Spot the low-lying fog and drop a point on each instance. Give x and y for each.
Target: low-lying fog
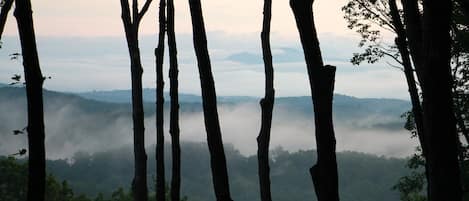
(70, 129)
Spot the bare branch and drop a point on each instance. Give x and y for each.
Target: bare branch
(135, 12)
(384, 20)
(4, 15)
(395, 66)
(394, 57)
(143, 11)
(126, 14)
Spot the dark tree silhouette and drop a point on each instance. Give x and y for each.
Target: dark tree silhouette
(159, 54)
(6, 7)
(174, 113)
(209, 102)
(131, 21)
(413, 25)
(321, 79)
(401, 43)
(34, 80)
(267, 105)
(439, 121)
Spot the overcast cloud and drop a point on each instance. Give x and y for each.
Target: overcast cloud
(101, 63)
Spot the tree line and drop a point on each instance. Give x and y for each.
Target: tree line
(426, 41)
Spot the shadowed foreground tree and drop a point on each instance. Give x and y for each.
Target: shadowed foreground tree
(159, 54)
(34, 81)
(131, 21)
(402, 46)
(267, 105)
(439, 120)
(209, 102)
(174, 114)
(321, 80)
(369, 19)
(431, 50)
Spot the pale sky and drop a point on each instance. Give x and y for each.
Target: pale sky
(102, 17)
(82, 46)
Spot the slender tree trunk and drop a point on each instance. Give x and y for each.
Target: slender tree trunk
(440, 125)
(34, 81)
(174, 114)
(321, 78)
(159, 54)
(402, 45)
(131, 25)
(267, 105)
(4, 15)
(209, 102)
(413, 22)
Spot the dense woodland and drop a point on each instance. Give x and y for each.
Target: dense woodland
(431, 47)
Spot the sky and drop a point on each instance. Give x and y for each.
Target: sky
(82, 47)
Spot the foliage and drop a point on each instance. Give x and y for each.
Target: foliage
(411, 187)
(369, 19)
(290, 179)
(13, 186)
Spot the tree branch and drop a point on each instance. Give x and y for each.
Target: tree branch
(143, 11)
(125, 15)
(4, 15)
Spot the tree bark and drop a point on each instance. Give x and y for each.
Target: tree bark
(174, 114)
(159, 54)
(321, 79)
(34, 81)
(440, 125)
(209, 102)
(402, 45)
(4, 15)
(131, 25)
(267, 105)
(413, 22)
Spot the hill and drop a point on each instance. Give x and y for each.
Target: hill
(362, 177)
(74, 123)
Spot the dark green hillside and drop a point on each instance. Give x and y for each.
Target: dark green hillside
(362, 177)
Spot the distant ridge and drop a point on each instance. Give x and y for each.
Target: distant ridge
(124, 96)
(356, 112)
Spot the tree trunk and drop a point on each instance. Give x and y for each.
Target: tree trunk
(440, 126)
(209, 102)
(174, 114)
(267, 105)
(34, 81)
(413, 22)
(4, 15)
(131, 24)
(159, 53)
(321, 79)
(402, 45)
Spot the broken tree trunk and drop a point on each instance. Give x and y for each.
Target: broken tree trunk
(34, 80)
(267, 105)
(209, 102)
(321, 79)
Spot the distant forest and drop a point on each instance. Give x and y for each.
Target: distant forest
(362, 175)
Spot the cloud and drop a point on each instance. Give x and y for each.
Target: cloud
(101, 63)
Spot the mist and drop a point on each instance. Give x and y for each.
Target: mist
(77, 125)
